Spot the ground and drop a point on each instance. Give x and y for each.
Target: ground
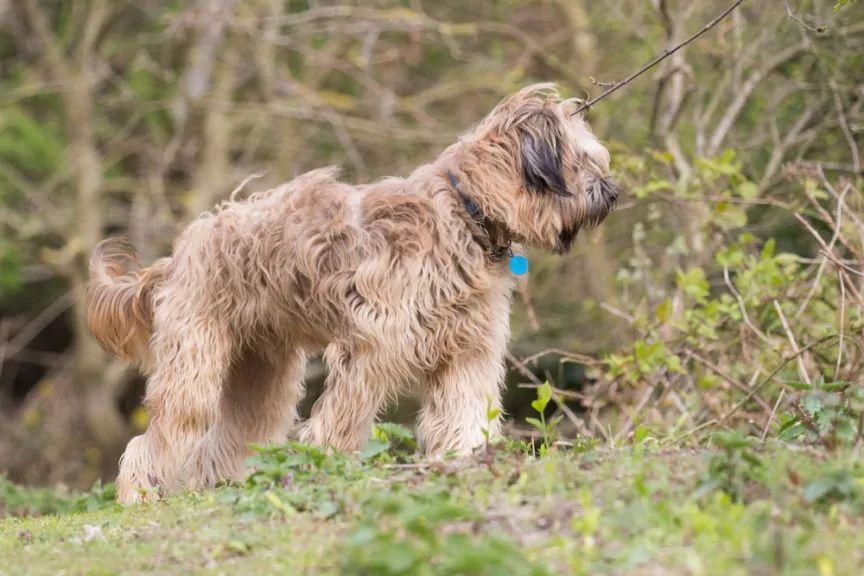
(728, 506)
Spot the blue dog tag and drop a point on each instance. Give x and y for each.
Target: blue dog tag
(518, 264)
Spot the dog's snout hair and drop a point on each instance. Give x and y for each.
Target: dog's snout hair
(400, 283)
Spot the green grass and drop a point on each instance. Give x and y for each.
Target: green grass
(729, 508)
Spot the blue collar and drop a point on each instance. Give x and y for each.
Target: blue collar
(470, 206)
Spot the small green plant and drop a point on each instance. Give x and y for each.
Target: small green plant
(492, 414)
(389, 440)
(22, 501)
(425, 533)
(735, 468)
(830, 412)
(547, 428)
(837, 484)
(293, 478)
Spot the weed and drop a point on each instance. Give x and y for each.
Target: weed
(492, 414)
(389, 441)
(426, 533)
(829, 411)
(294, 478)
(836, 485)
(21, 501)
(733, 468)
(547, 428)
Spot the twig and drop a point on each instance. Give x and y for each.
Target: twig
(520, 366)
(559, 391)
(631, 420)
(773, 412)
(844, 126)
(743, 308)
(803, 24)
(755, 389)
(565, 356)
(802, 365)
(529, 306)
(619, 313)
(829, 253)
(716, 369)
(813, 287)
(37, 324)
(574, 419)
(666, 53)
(842, 324)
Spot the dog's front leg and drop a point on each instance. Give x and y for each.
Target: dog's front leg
(457, 400)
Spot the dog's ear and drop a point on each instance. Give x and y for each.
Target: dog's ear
(541, 148)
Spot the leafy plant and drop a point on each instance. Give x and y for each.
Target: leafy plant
(829, 411)
(734, 468)
(23, 501)
(835, 485)
(294, 478)
(425, 533)
(547, 428)
(389, 440)
(492, 414)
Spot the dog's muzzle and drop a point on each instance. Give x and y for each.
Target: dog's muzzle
(602, 194)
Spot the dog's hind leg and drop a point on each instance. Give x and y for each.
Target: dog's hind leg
(259, 405)
(356, 388)
(192, 355)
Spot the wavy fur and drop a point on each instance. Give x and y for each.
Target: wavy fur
(388, 280)
(119, 304)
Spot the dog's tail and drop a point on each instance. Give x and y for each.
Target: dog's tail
(120, 303)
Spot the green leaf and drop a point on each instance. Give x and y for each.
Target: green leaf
(748, 190)
(544, 394)
(694, 283)
(536, 423)
(835, 386)
(373, 448)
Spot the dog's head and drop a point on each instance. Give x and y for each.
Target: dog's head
(547, 174)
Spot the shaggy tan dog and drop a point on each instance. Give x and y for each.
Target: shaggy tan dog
(402, 283)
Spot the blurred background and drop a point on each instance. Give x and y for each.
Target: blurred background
(725, 290)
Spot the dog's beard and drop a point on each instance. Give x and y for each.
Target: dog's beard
(602, 194)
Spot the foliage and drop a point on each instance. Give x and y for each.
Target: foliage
(23, 501)
(293, 478)
(736, 329)
(546, 428)
(600, 511)
(735, 468)
(389, 441)
(427, 533)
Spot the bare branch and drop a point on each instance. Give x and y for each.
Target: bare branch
(803, 24)
(666, 53)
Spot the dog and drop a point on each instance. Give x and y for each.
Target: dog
(403, 284)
